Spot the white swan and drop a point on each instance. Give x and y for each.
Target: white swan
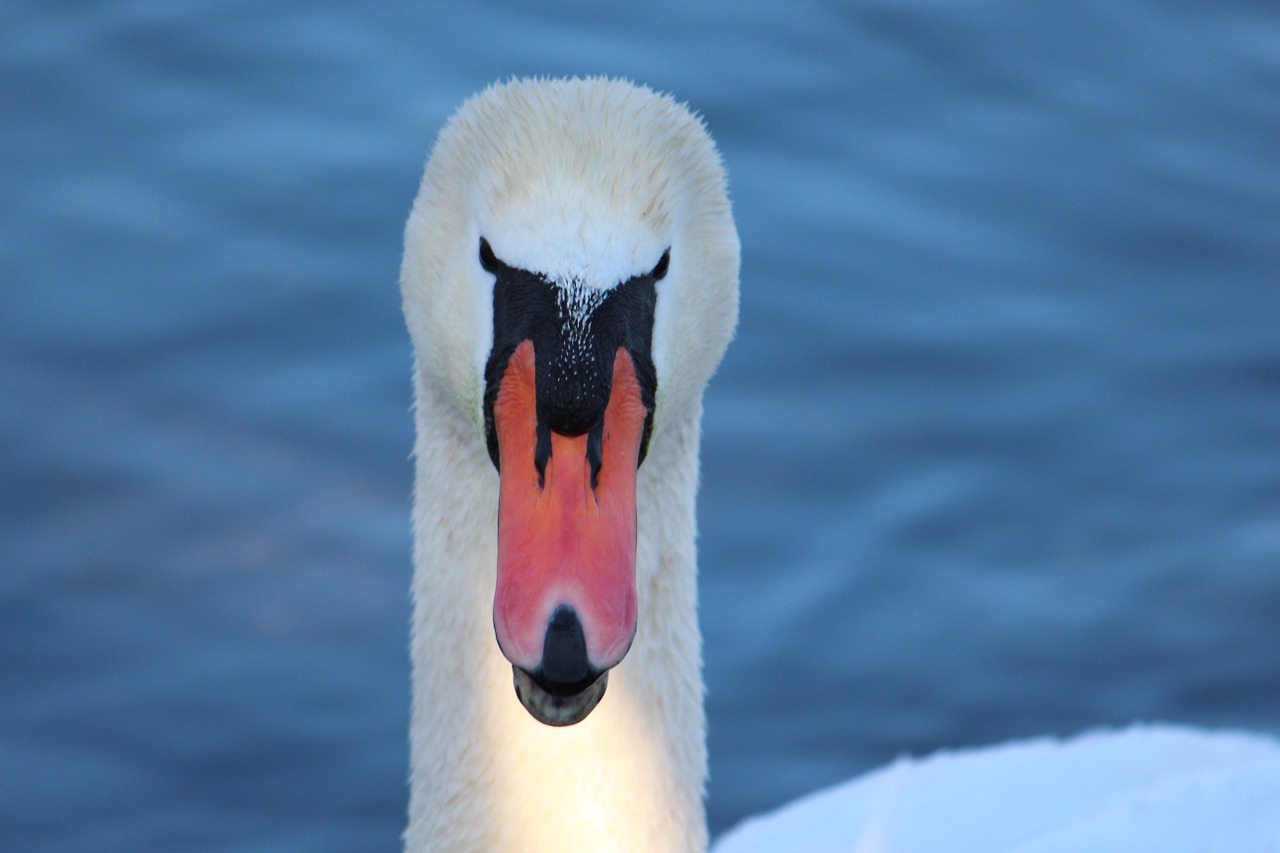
(570, 284)
(571, 247)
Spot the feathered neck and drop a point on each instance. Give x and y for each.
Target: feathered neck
(485, 776)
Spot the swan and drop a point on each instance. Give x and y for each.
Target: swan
(570, 284)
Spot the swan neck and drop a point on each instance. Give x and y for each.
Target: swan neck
(484, 774)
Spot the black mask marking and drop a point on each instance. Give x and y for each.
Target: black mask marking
(576, 332)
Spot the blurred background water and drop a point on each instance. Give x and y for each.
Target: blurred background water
(996, 452)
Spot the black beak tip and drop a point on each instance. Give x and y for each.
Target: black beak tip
(564, 651)
(566, 687)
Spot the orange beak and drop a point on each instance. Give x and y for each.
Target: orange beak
(567, 533)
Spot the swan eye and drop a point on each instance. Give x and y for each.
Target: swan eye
(489, 260)
(660, 270)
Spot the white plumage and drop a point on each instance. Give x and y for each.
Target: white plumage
(588, 182)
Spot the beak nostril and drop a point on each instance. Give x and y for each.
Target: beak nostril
(595, 451)
(542, 452)
(564, 650)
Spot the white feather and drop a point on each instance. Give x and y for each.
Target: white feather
(586, 182)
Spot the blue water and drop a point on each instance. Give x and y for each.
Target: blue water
(996, 452)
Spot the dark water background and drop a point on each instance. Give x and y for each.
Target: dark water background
(996, 452)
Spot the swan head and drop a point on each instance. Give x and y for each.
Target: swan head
(570, 283)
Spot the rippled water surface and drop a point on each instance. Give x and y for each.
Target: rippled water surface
(996, 452)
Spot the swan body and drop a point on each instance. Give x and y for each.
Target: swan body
(573, 190)
(1161, 788)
